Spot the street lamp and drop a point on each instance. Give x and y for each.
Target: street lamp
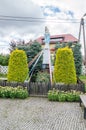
(82, 25)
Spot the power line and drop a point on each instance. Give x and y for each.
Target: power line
(23, 17)
(25, 20)
(36, 19)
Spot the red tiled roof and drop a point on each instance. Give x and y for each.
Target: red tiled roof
(65, 38)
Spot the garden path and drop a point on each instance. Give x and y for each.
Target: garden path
(40, 114)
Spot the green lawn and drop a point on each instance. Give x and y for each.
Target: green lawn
(3, 75)
(83, 78)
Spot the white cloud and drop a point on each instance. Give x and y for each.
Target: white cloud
(78, 8)
(32, 8)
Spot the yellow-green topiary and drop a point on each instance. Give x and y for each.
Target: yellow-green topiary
(17, 68)
(64, 69)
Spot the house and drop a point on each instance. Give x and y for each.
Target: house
(63, 38)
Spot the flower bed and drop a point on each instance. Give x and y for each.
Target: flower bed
(10, 92)
(62, 96)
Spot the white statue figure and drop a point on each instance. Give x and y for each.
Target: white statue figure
(47, 36)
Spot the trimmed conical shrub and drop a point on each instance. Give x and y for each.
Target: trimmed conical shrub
(18, 68)
(64, 69)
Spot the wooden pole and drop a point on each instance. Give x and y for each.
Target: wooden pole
(79, 33)
(50, 70)
(84, 42)
(82, 26)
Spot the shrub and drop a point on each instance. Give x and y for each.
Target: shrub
(18, 68)
(10, 92)
(43, 77)
(64, 69)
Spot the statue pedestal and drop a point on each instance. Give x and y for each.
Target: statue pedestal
(46, 55)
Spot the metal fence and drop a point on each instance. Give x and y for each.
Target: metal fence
(83, 70)
(3, 69)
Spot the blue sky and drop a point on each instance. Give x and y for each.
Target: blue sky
(59, 15)
(53, 10)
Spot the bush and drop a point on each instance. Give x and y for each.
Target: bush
(3, 75)
(4, 59)
(43, 77)
(61, 96)
(10, 92)
(18, 68)
(64, 69)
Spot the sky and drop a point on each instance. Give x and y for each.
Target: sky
(26, 19)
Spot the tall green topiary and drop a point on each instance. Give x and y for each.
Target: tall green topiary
(64, 69)
(76, 48)
(18, 68)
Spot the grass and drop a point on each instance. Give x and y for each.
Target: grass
(83, 78)
(3, 75)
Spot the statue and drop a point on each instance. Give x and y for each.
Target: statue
(47, 36)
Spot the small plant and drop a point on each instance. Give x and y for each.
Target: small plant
(53, 95)
(3, 75)
(71, 97)
(61, 97)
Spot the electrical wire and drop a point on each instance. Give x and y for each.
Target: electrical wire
(23, 17)
(36, 19)
(22, 20)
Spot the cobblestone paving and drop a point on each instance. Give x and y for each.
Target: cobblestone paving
(40, 114)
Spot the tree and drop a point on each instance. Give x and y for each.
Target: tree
(77, 58)
(12, 46)
(31, 51)
(76, 48)
(64, 69)
(18, 68)
(34, 49)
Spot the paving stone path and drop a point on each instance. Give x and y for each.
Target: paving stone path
(40, 114)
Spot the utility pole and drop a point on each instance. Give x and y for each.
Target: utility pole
(83, 27)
